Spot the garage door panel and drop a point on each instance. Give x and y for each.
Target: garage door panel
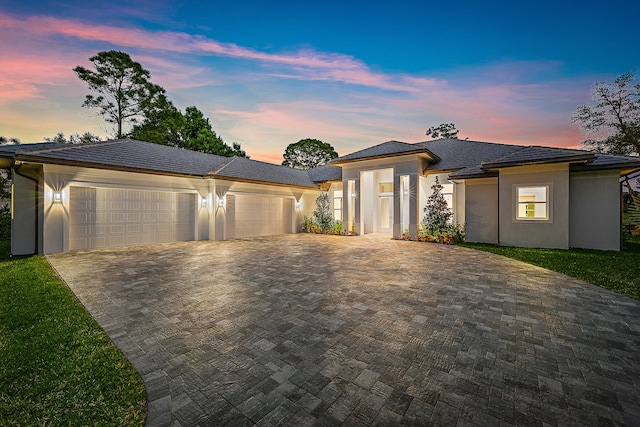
(117, 217)
(258, 216)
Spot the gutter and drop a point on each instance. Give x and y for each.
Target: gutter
(16, 170)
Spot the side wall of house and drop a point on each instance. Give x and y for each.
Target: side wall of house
(595, 205)
(26, 229)
(481, 215)
(550, 233)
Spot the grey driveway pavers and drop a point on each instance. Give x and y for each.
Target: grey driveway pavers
(326, 330)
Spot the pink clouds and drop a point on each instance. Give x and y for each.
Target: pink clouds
(306, 64)
(260, 103)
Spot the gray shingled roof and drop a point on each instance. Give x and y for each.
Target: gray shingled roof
(127, 154)
(462, 153)
(325, 173)
(386, 149)
(534, 154)
(133, 155)
(251, 170)
(11, 149)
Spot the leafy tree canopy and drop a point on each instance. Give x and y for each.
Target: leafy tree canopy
(308, 153)
(8, 140)
(74, 138)
(615, 113)
(444, 130)
(165, 124)
(123, 88)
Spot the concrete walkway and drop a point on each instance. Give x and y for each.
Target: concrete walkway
(325, 330)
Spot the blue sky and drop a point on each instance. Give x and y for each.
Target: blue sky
(353, 74)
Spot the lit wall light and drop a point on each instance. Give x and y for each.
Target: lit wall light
(204, 202)
(353, 194)
(57, 197)
(221, 202)
(406, 192)
(298, 205)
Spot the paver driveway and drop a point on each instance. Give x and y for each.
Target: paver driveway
(307, 329)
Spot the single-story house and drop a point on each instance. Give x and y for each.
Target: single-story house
(126, 192)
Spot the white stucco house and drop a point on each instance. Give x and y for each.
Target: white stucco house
(126, 192)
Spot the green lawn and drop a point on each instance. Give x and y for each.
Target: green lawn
(617, 271)
(57, 366)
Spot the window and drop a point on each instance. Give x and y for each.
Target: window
(447, 193)
(532, 203)
(386, 187)
(337, 205)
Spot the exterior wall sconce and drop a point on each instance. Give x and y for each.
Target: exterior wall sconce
(406, 192)
(298, 205)
(353, 194)
(57, 197)
(221, 202)
(204, 202)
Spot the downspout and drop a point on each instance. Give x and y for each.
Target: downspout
(16, 170)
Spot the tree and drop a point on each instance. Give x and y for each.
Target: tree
(308, 153)
(198, 135)
(615, 113)
(444, 130)
(6, 141)
(123, 87)
(437, 212)
(163, 123)
(322, 214)
(75, 138)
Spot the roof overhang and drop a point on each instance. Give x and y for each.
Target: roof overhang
(582, 158)
(422, 152)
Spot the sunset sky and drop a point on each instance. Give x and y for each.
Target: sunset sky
(351, 73)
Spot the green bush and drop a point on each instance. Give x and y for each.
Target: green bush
(5, 223)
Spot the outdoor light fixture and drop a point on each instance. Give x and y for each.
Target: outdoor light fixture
(221, 202)
(406, 192)
(57, 197)
(297, 205)
(353, 194)
(204, 202)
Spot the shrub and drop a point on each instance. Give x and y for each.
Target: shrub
(322, 215)
(437, 213)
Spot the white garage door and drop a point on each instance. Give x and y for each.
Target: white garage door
(104, 217)
(249, 216)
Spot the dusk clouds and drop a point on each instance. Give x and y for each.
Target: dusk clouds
(266, 97)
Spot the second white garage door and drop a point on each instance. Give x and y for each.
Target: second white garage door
(106, 217)
(249, 216)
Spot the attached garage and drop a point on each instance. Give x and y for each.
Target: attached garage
(254, 215)
(110, 217)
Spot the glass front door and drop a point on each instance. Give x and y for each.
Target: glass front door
(386, 214)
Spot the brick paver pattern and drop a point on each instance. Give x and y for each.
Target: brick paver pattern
(327, 330)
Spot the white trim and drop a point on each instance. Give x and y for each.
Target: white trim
(515, 203)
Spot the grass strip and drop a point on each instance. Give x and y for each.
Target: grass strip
(57, 366)
(616, 271)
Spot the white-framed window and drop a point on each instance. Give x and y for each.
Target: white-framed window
(337, 205)
(532, 202)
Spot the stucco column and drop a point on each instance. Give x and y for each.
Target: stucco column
(397, 218)
(356, 207)
(414, 209)
(345, 205)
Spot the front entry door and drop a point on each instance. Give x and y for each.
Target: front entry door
(385, 214)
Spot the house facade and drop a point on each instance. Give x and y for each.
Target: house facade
(127, 192)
